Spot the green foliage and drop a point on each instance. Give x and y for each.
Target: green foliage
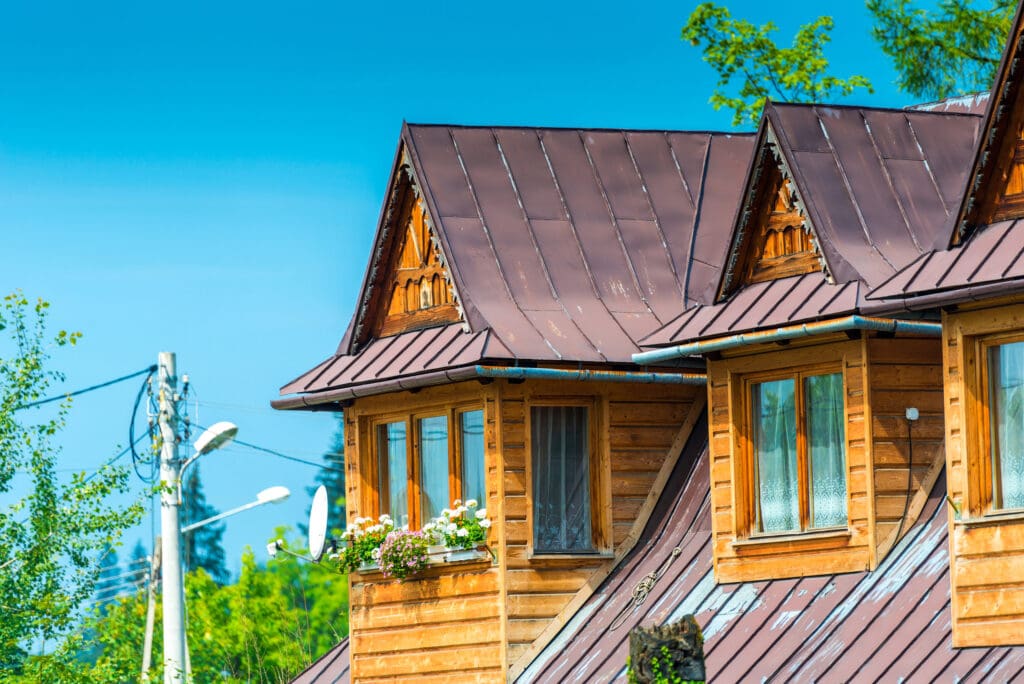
(201, 548)
(663, 669)
(751, 67)
(403, 554)
(951, 49)
(267, 627)
(52, 537)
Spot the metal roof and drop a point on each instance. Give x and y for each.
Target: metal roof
(878, 185)
(332, 667)
(988, 264)
(769, 304)
(564, 245)
(892, 624)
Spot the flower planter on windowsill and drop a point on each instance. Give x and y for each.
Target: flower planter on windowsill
(441, 555)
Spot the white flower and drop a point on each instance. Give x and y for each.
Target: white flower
(481, 514)
(445, 513)
(451, 529)
(463, 532)
(485, 523)
(471, 503)
(457, 503)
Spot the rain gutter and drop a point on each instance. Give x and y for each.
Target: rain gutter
(319, 400)
(887, 325)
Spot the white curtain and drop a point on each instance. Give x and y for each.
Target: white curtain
(433, 435)
(826, 442)
(561, 479)
(392, 457)
(774, 412)
(1006, 401)
(472, 443)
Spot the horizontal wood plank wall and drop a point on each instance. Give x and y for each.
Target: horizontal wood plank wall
(637, 427)
(794, 555)
(986, 554)
(449, 622)
(903, 373)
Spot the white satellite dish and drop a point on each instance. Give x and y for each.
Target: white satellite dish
(318, 524)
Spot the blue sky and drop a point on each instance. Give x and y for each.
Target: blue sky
(205, 178)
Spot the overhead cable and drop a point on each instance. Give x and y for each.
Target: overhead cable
(150, 369)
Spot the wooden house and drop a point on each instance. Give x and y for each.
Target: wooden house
(513, 274)
(825, 460)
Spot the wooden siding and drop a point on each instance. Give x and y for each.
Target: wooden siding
(799, 554)
(520, 598)
(986, 551)
(904, 373)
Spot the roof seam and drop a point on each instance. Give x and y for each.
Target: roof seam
(698, 208)
(888, 175)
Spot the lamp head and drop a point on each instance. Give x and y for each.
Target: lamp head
(216, 436)
(275, 494)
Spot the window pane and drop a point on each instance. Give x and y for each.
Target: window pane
(774, 417)
(433, 466)
(561, 478)
(391, 453)
(471, 425)
(1006, 399)
(826, 449)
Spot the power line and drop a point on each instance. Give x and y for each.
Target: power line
(150, 369)
(280, 455)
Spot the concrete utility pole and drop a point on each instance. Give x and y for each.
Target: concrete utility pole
(147, 644)
(170, 524)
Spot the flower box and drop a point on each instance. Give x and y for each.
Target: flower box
(466, 555)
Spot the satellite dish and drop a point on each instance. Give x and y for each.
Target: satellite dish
(318, 523)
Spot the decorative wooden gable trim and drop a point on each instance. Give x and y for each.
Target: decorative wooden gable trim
(996, 190)
(408, 285)
(774, 237)
(419, 292)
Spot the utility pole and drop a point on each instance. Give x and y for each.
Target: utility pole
(154, 575)
(170, 524)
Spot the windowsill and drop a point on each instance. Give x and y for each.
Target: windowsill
(793, 537)
(582, 555)
(989, 519)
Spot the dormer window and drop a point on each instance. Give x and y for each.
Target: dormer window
(798, 453)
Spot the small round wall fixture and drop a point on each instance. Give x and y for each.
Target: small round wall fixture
(318, 524)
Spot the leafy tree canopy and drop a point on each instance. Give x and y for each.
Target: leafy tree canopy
(51, 537)
(949, 49)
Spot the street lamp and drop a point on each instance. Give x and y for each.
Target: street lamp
(275, 494)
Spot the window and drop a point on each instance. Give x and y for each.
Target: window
(417, 479)
(560, 464)
(798, 455)
(1006, 424)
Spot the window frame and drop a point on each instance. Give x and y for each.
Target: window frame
(375, 468)
(982, 472)
(599, 483)
(747, 523)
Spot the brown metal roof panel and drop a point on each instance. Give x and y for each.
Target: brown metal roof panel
(658, 282)
(702, 282)
(442, 171)
(948, 144)
(571, 279)
(921, 203)
(760, 311)
(802, 289)
(931, 269)
(380, 358)
(613, 162)
(972, 254)
(366, 356)
(504, 223)
(598, 237)
(891, 134)
(561, 333)
(799, 128)
(1001, 259)
(896, 285)
(308, 378)
(432, 349)
(601, 328)
(528, 165)
(701, 324)
(636, 325)
(728, 160)
(330, 668)
(870, 188)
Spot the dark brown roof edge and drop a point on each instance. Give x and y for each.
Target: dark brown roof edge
(596, 129)
(320, 399)
(948, 297)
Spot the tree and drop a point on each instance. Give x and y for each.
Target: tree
(203, 547)
(952, 50)
(332, 476)
(260, 629)
(747, 55)
(51, 537)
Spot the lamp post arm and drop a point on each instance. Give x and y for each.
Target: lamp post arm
(221, 516)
